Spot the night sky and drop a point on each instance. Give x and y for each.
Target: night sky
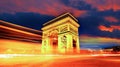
(99, 19)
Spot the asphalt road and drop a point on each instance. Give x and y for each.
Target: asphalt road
(18, 60)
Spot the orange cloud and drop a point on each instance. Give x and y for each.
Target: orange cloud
(111, 19)
(109, 29)
(115, 27)
(56, 8)
(55, 12)
(102, 5)
(104, 28)
(46, 7)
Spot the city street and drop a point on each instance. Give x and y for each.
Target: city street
(31, 60)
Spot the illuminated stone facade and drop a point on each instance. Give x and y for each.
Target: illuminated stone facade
(61, 34)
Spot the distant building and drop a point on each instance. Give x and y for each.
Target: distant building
(112, 49)
(20, 33)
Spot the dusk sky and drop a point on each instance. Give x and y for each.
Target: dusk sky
(99, 19)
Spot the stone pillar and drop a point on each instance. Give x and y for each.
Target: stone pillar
(78, 44)
(69, 42)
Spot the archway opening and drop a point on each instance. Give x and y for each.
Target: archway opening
(74, 44)
(54, 39)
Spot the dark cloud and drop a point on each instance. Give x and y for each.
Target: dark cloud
(103, 5)
(45, 7)
(111, 19)
(78, 4)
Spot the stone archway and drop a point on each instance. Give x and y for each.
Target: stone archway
(60, 32)
(74, 44)
(54, 38)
